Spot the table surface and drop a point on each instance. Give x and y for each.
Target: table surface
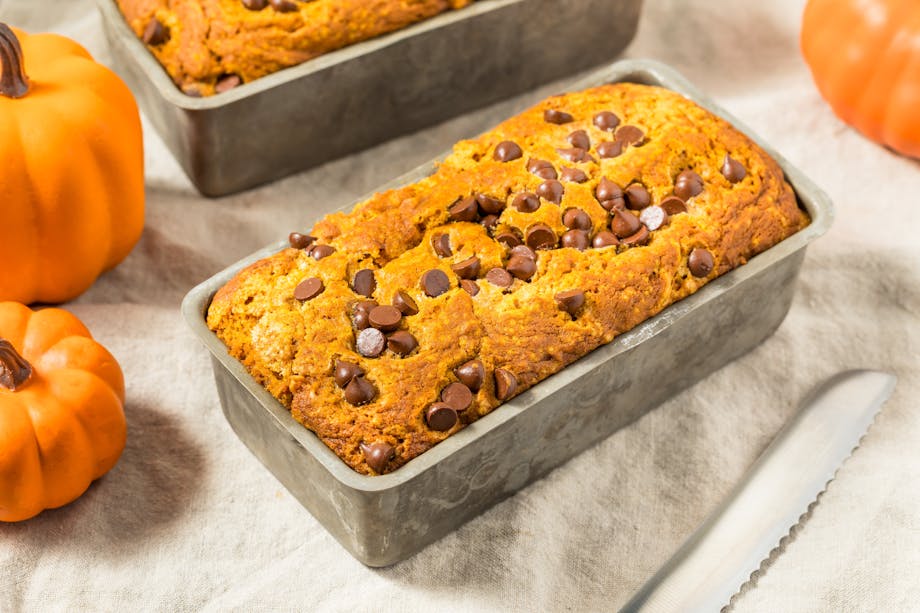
(190, 520)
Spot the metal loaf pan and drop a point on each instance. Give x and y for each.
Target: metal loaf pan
(384, 519)
(364, 94)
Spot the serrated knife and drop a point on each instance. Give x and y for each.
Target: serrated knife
(719, 558)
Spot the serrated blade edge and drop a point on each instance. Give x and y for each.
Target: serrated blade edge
(713, 564)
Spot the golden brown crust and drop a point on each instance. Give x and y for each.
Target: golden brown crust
(291, 346)
(210, 39)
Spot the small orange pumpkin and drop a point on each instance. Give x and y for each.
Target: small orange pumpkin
(864, 56)
(72, 171)
(62, 421)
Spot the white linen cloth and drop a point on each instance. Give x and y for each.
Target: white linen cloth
(190, 520)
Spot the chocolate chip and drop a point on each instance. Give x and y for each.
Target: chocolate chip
(300, 241)
(506, 151)
(308, 289)
(255, 5)
(345, 372)
(458, 396)
(574, 154)
(576, 219)
(378, 455)
(604, 239)
(322, 251)
(637, 197)
(401, 343)
(362, 311)
(155, 33)
(573, 175)
(385, 318)
(499, 277)
(364, 306)
(467, 269)
(521, 267)
(700, 262)
(490, 205)
(283, 6)
(541, 168)
(623, 223)
(526, 202)
(441, 245)
(435, 283)
(580, 139)
(523, 251)
(540, 236)
(616, 203)
(359, 391)
(630, 135)
(505, 384)
(557, 117)
(575, 239)
(471, 374)
(570, 300)
(371, 342)
(606, 121)
(489, 222)
(227, 82)
(405, 303)
(465, 209)
(508, 239)
(551, 190)
(610, 149)
(641, 237)
(364, 282)
(732, 169)
(607, 190)
(687, 185)
(470, 287)
(440, 416)
(673, 205)
(653, 217)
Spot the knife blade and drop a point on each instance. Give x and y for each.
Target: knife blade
(718, 559)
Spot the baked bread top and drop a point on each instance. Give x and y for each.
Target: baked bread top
(626, 198)
(211, 46)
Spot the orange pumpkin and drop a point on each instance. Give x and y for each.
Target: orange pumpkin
(62, 421)
(72, 172)
(864, 56)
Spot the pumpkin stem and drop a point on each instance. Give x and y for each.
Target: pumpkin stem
(14, 369)
(13, 80)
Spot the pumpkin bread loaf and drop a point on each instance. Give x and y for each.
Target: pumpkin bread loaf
(390, 328)
(211, 46)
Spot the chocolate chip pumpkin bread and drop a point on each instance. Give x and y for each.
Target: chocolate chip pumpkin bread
(388, 329)
(211, 46)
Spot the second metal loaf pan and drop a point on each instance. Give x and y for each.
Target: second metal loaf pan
(364, 94)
